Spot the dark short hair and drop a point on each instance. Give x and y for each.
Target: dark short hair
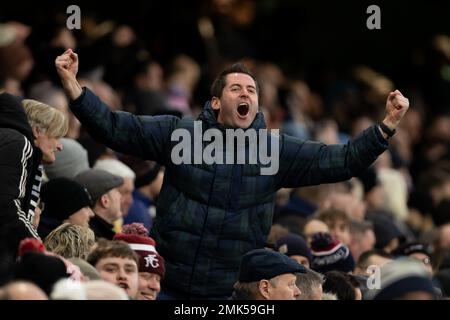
(341, 284)
(111, 249)
(247, 289)
(360, 226)
(365, 256)
(220, 81)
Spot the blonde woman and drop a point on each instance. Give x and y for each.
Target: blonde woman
(48, 125)
(70, 241)
(29, 133)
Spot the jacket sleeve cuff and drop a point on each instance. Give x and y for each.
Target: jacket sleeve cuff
(382, 140)
(80, 99)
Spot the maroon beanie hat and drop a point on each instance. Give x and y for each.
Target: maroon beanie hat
(149, 259)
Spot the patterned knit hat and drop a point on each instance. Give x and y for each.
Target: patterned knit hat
(149, 259)
(329, 254)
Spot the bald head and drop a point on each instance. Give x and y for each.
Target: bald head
(22, 290)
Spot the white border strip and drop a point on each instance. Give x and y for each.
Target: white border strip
(142, 247)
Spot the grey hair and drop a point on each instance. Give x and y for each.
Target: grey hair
(307, 281)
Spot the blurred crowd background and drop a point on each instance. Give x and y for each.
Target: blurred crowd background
(323, 75)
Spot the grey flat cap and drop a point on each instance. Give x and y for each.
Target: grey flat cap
(98, 182)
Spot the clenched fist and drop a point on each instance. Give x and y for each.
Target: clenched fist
(67, 68)
(396, 107)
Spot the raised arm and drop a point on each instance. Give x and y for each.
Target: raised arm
(67, 68)
(305, 163)
(142, 136)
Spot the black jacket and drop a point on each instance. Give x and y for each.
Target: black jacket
(101, 228)
(19, 164)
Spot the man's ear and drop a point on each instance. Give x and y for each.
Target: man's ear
(104, 200)
(264, 287)
(215, 103)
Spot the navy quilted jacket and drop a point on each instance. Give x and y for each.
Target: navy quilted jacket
(210, 215)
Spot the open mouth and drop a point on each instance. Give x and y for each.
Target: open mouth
(124, 286)
(243, 109)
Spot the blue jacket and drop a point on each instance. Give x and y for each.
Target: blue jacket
(210, 215)
(140, 210)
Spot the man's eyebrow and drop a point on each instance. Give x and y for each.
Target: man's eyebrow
(130, 265)
(109, 264)
(115, 264)
(239, 85)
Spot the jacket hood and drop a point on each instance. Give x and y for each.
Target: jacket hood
(13, 116)
(208, 115)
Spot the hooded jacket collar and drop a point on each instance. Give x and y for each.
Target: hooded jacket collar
(12, 115)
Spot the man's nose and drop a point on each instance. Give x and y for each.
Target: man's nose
(244, 92)
(59, 146)
(121, 274)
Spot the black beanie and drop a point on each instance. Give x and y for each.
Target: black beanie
(40, 269)
(63, 197)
